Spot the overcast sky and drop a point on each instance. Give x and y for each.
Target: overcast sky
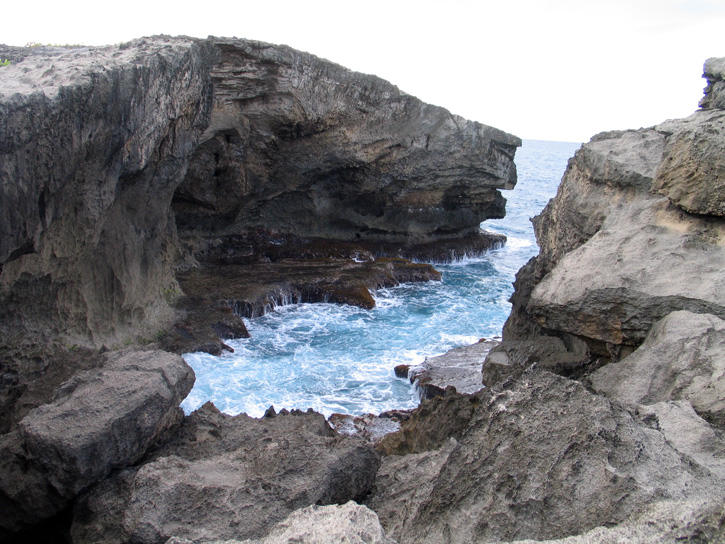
(540, 69)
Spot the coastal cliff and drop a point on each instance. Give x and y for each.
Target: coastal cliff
(602, 414)
(148, 183)
(153, 193)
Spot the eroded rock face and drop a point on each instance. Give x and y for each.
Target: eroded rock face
(100, 420)
(634, 233)
(225, 477)
(242, 135)
(93, 144)
(544, 458)
(683, 357)
(304, 146)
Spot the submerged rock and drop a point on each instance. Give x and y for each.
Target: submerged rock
(224, 477)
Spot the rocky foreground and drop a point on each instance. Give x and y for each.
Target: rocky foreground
(154, 192)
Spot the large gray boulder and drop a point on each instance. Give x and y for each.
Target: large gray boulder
(648, 259)
(100, 420)
(692, 173)
(224, 477)
(683, 357)
(348, 523)
(545, 458)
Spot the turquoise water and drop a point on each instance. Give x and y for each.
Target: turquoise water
(336, 358)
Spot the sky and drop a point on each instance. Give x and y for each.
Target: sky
(559, 70)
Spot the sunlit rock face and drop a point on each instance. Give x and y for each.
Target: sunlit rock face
(634, 233)
(109, 155)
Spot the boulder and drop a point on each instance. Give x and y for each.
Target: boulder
(459, 368)
(682, 357)
(99, 420)
(348, 523)
(714, 73)
(657, 260)
(544, 458)
(692, 172)
(403, 484)
(224, 477)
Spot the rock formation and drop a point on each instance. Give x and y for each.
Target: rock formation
(110, 155)
(631, 206)
(223, 477)
(152, 194)
(143, 187)
(626, 295)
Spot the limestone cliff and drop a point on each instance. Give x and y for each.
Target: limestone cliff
(634, 233)
(107, 153)
(132, 174)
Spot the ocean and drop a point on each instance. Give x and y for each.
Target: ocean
(336, 358)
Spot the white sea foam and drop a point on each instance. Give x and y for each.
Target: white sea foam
(335, 358)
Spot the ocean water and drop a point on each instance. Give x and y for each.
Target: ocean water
(336, 358)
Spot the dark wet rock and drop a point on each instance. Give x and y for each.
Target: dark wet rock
(224, 477)
(544, 458)
(459, 368)
(255, 289)
(99, 420)
(683, 357)
(436, 420)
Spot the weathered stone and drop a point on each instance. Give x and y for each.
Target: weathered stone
(403, 484)
(714, 72)
(459, 368)
(430, 425)
(657, 260)
(304, 146)
(544, 458)
(349, 523)
(683, 357)
(94, 142)
(688, 433)
(224, 477)
(241, 135)
(665, 522)
(692, 173)
(100, 420)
